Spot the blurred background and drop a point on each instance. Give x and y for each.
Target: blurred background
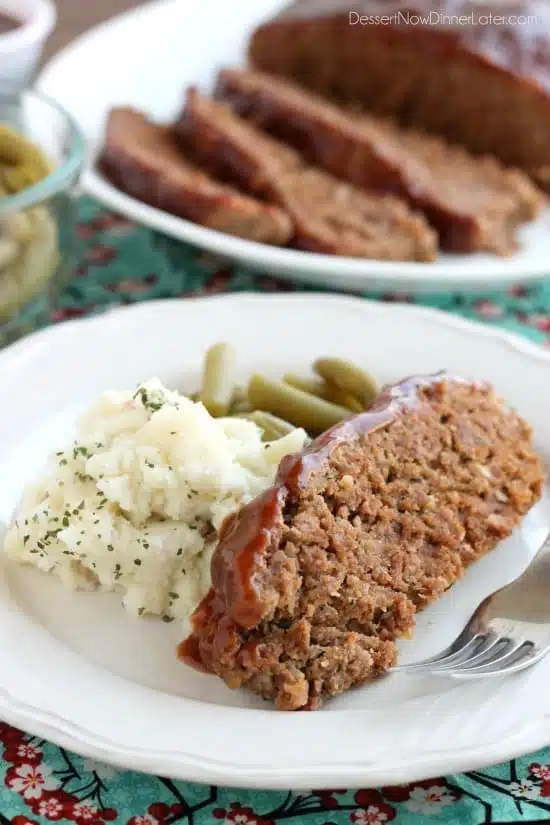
(75, 16)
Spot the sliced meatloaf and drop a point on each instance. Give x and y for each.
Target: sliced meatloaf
(314, 581)
(144, 160)
(475, 204)
(477, 73)
(329, 215)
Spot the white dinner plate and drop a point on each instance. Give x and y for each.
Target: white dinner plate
(147, 57)
(78, 670)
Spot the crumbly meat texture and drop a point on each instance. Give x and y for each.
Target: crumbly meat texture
(384, 526)
(144, 160)
(483, 86)
(474, 203)
(329, 215)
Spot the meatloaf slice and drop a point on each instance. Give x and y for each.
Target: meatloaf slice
(475, 204)
(314, 581)
(329, 216)
(484, 84)
(144, 160)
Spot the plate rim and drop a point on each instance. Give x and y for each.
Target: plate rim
(192, 768)
(209, 771)
(403, 273)
(468, 274)
(513, 340)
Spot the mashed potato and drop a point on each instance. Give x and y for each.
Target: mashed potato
(133, 505)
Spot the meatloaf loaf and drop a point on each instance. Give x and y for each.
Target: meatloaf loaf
(329, 216)
(144, 160)
(474, 204)
(482, 81)
(313, 581)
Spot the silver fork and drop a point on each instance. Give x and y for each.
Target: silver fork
(509, 631)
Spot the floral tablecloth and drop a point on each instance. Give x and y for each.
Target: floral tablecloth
(41, 783)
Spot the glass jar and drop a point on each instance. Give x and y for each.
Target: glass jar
(38, 240)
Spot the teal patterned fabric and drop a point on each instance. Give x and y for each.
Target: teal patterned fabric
(41, 783)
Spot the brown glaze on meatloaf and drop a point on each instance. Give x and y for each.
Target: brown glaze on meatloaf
(144, 160)
(314, 581)
(329, 215)
(475, 204)
(484, 83)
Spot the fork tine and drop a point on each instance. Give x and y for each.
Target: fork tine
(524, 657)
(484, 651)
(462, 645)
(451, 655)
(457, 646)
(512, 656)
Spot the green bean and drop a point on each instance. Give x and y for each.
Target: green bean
(17, 226)
(9, 250)
(22, 164)
(239, 393)
(17, 150)
(218, 380)
(325, 390)
(239, 401)
(241, 407)
(349, 377)
(313, 386)
(273, 427)
(17, 178)
(296, 406)
(344, 398)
